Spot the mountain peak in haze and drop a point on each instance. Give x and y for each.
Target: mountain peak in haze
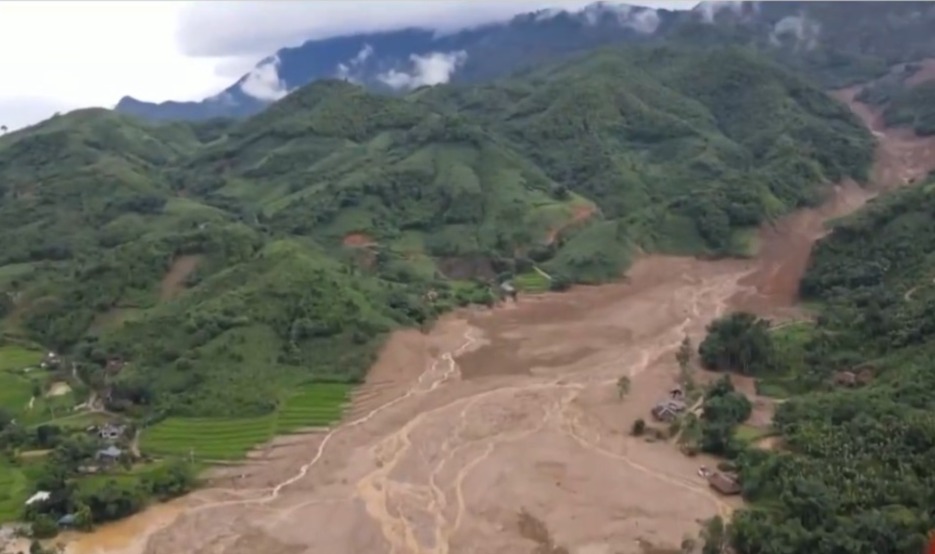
(852, 41)
(406, 59)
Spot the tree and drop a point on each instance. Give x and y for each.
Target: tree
(3, 129)
(5, 418)
(623, 386)
(714, 536)
(684, 359)
(738, 342)
(84, 520)
(684, 354)
(639, 427)
(44, 527)
(724, 409)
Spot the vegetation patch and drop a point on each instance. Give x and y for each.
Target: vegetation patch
(174, 281)
(196, 275)
(856, 432)
(317, 405)
(531, 282)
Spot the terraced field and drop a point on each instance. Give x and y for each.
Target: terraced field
(16, 357)
(531, 282)
(14, 488)
(16, 388)
(317, 405)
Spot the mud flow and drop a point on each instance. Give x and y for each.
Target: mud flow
(501, 431)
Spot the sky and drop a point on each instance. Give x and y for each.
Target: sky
(57, 56)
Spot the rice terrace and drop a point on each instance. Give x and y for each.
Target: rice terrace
(209, 439)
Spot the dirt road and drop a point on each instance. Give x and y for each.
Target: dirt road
(505, 411)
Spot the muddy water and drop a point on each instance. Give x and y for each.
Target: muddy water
(509, 411)
(126, 535)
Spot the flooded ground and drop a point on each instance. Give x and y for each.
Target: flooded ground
(498, 418)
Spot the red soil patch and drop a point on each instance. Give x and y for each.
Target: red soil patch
(466, 267)
(927, 73)
(580, 214)
(174, 281)
(358, 240)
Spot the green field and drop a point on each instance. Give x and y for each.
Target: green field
(750, 434)
(14, 488)
(531, 282)
(790, 340)
(17, 357)
(315, 405)
(15, 387)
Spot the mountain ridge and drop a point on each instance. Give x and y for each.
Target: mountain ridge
(815, 37)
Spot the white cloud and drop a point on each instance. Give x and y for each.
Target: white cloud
(803, 30)
(643, 21)
(347, 70)
(432, 69)
(709, 8)
(61, 55)
(263, 82)
(57, 55)
(20, 112)
(250, 28)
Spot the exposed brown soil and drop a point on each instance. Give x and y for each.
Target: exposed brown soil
(58, 388)
(358, 240)
(173, 283)
(925, 74)
(501, 412)
(580, 214)
(466, 267)
(769, 443)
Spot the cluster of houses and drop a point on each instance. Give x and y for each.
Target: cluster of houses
(108, 456)
(668, 410)
(110, 434)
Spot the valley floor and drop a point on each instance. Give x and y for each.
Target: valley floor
(510, 411)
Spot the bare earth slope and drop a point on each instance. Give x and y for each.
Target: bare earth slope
(511, 410)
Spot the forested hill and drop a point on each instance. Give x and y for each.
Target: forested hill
(224, 262)
(854, 471)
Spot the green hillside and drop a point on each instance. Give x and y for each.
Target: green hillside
(902, 103)
(236, 278)
(856, 468)
(226, 262)
(683, 149)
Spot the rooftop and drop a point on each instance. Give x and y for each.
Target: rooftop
(38, 497)
(110, 452)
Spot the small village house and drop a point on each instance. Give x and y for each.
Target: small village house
(40, 496)
(67, 521)
(668, 409)
(111, 432)
(109, 455)
(724, 483)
